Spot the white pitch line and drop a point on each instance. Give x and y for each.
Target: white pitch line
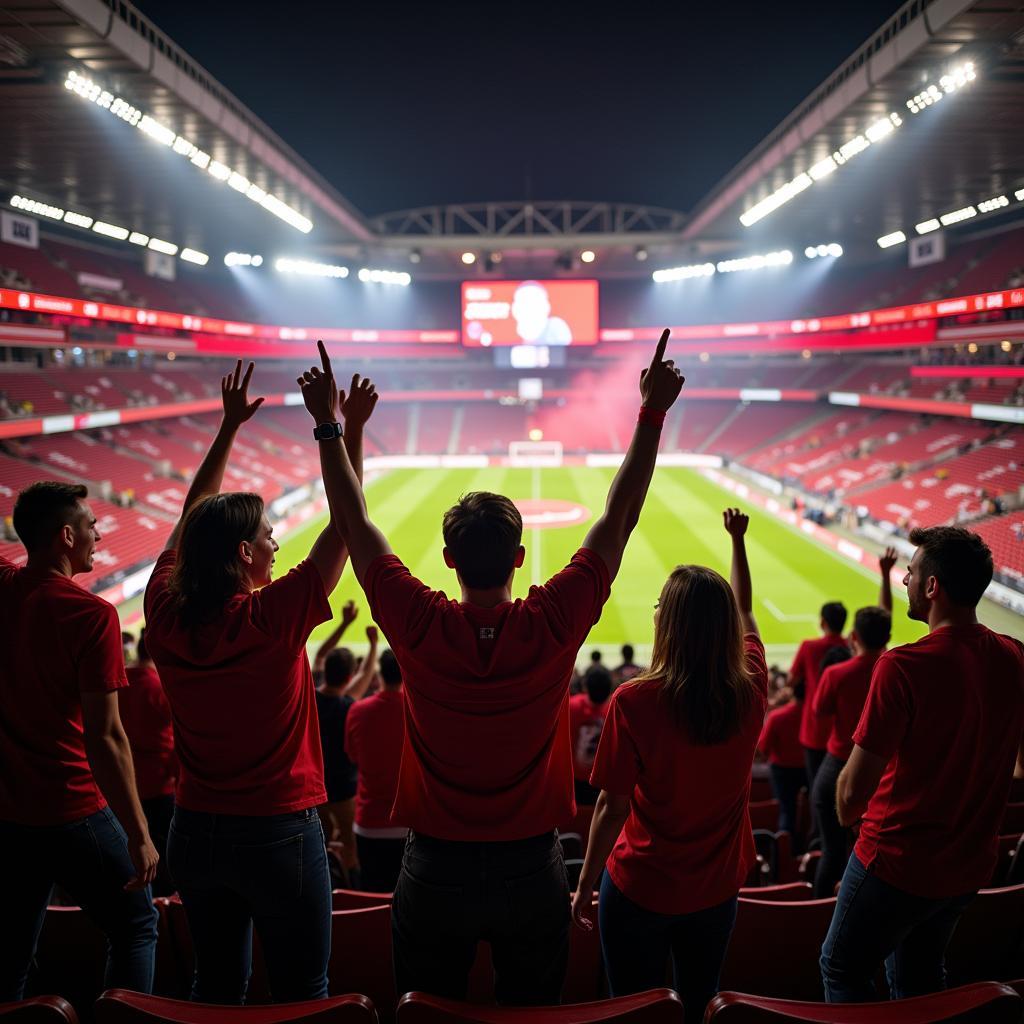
(782, 616)
(535, 567)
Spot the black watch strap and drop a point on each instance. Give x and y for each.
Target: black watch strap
(327, 431)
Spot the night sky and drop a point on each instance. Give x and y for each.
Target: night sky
(401, 105)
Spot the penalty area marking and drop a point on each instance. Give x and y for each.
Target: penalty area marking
(782, 616)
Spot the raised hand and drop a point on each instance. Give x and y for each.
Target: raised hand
(372, 635)
(234, 394)
(349, 612)
(661, 382)
(358, 404)
(887, 561)
(319, 392)
(735, 522)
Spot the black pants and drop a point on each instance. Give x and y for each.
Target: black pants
(812, 759)
(834, 838)
(159, 810)
(452, 895)
(380, 862)
(786, 785)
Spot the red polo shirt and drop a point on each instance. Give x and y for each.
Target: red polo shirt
(687, 843)
(780, 737)
(486, 753)
(948, 714)
(241, 695)
(57, 641)
(814, 730)
(374, 737)
(146, 717)
(840, 696)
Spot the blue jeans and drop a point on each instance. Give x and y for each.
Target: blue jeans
(636, 944)
(88, 859)
(876, 922)
(233, 872)
(786, 785)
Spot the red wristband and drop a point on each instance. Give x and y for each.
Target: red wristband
(652, 417)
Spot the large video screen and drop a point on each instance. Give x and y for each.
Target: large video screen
(554, 313)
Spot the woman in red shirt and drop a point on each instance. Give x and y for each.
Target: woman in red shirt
(673, 767)
(245, 846)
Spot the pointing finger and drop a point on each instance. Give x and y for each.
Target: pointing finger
(325, 359)
(659, 352)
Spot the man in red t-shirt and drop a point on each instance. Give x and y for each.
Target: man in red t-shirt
(780, 746)
(586, 720)
(63, 751)
(374, 737)
(146, 717)
(486, 771)
(842, 691)
(928, 778)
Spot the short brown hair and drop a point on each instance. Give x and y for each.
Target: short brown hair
(873, 626)
(483, 532)
(45, 508)
(959, 559)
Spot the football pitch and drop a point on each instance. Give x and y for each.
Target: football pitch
(681, 522)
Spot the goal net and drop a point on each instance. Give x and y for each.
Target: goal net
(535, 453)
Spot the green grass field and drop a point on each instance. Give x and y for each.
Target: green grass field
(681, 522)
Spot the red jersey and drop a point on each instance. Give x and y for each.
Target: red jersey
(241, 695)
(586, 720)
(814, 730)
(687, 843)
(486, 753)
(58, 641)
(840, 697)
(146, 717)
(374, 737)
(948, 714)
(780, 737)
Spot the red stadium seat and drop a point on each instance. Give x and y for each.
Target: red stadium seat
(983, 1003)
(659, 1006)
(172, 978)
(775, 948)
(71, 957)
(787, 892)
(350, 899)
(39, 1010)
(361, 956)
(989, 940)
(118, 1006)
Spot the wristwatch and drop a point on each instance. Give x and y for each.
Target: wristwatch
(327, 431)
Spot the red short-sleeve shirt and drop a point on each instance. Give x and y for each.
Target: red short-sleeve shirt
(948, 714)
(780, 737)
(374, 737)
(146, 717)
(586, 720)
(241, 695)
(486, 754)
(814, 729)
(687, 843)
(58, 641)
(840, 697)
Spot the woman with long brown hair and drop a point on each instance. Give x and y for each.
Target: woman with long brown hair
(673, 767)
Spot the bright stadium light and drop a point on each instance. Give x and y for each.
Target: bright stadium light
(683, 273)
(159, 245)
(138, 238)
(309, 268)
(79, 220)
(956, 79)
(39, 209)
(110, 230)
(956, 216)
(823, 168)
(995, 203)
(195, 256)
(469, 258)
(242, 259)
(588, 256)
(89, 90)
(782, 258)
(1019, 195)
(399, 277)
(833, 249)
(932, 224)
(893, 238)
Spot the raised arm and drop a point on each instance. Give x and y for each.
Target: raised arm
(660, 385)
(885, 566)
(329, 552)
(348, 616)
(736, 523)
(341, 482)
(360, 682)
(234, 390)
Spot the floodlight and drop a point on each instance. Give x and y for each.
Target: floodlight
(159, 245)
(469, 258)
(110, 230)
(893, 238)
(587, 256)
(79, 220)
(956, 216)
(309, 268)
(932, 224)
(993, 204)
(138, 238)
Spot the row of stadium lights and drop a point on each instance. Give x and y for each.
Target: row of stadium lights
(780, 258)
(881, 129)
(89, 90)
(945, 220)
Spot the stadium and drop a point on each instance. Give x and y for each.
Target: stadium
(845, 303)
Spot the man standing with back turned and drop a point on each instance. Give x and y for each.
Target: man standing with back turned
(929, 774)
(486, 773)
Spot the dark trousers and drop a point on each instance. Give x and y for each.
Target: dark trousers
(159, 811)
(875, 922)
(88, 859)
(813, 759)
(380, 862)
(637, 943)
(234, 872)
(452, 895)
(835, 840)
(786, 785)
